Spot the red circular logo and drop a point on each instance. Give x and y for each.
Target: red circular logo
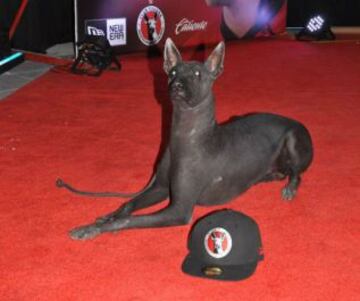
(150, 25)
(218, 242)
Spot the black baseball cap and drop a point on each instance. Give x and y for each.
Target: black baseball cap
(224, 245)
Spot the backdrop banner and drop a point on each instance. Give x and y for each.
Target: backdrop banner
(134, 25)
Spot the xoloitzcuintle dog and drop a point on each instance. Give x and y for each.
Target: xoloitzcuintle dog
(206, 163)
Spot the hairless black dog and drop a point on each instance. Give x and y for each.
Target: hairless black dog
(206, 163)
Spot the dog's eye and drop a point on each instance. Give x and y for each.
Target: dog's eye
(197, 73)
(173, 73)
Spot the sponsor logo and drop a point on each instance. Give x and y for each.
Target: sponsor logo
(218, 243)
(93, 31)
(150, 25)
(113, 29)
(116, 31)
(186, 25)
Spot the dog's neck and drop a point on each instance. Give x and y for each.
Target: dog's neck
(189, 124)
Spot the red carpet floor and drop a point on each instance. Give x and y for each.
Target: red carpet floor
(104, 134)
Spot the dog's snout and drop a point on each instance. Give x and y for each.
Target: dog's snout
(178, 84)
(178, 89)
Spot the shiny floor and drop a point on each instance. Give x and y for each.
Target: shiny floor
(19, 76)
(28, 71)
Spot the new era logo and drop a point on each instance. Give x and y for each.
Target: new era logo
(93, 31)
(116, 31)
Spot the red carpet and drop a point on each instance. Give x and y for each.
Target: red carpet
(104, 134)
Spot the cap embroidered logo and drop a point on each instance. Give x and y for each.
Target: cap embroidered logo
(218, 242)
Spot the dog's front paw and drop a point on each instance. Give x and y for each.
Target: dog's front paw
(85, 232)
(288, 193)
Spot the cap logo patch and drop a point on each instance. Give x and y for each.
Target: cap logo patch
(218, 242)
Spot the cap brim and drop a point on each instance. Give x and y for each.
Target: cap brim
(195, 267)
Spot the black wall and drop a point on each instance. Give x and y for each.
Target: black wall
(340, 12)
(7, 12)
(43, 24)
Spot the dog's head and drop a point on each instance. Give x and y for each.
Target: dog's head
(190, 83)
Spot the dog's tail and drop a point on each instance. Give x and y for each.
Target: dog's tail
(61, 184)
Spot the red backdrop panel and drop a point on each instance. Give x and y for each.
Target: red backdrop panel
(135, 25)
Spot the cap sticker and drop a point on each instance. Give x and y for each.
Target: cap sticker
(212, 271)
(218, 242)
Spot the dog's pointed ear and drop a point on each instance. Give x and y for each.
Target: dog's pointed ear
(171, 55)
(215, 61)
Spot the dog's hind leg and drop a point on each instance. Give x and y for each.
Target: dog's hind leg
(296, 156)
(290, 189)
